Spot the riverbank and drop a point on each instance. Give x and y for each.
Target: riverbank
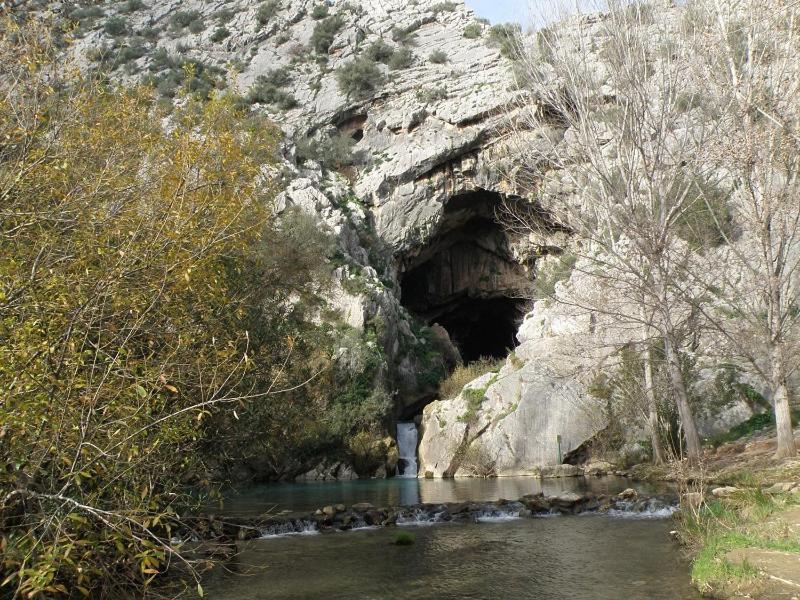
(740, 518)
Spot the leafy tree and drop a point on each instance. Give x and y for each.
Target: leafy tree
(359, 78)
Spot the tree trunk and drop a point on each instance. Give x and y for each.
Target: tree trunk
(682, 401)
(780, 398)
(652, 417)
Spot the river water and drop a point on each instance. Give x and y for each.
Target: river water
(594, 557)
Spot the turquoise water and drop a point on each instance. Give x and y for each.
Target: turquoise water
(306, 497)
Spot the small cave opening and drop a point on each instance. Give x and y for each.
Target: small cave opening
(466, 279)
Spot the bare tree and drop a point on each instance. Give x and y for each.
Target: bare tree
(605, 142)
(746, 58)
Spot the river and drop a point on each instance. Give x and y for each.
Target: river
(578, 557)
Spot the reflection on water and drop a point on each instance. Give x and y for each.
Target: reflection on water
(305, 497)
(580, 558)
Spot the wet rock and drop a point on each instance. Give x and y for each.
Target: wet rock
(362, 507)
(328, 511)
(340, 508)
(628, 494)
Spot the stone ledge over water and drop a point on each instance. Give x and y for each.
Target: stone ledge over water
(339, 517)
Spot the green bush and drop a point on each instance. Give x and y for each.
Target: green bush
(86, 14)
(115, 26)
(182, 18)
(224, 15)
(333, 152)
(438, 57)
(267, 90)
(266, 10)
(359, 78)
(473, 31)
(196, 26)
(320, 11)
(380, 51)
(506, 36)
(220, 34)
(131, 6)
(401, 59)
(404, 35)
(443, 7)
(324, 32)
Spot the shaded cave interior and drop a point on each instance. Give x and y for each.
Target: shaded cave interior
(466, 280)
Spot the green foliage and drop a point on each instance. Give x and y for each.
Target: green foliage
(438, 57)
(474, 397)
(86, 15)
(379, 51)
(404, 538)
(473, 31)
(115, 26)
(405, 35)
(320, 11)
(267, 89)
(333, 152)
(359, 78)
(170, 73)
(707, 220)
(401, 59)
(224, 15)
(443, 7)
(186, 19)
(131, 6)
(553, 272)
(266, 10)
(745, 520)
(120, 251)
(324, 32)
(220, 34)
(506, 36)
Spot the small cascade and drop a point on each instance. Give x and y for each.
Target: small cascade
(407, 449)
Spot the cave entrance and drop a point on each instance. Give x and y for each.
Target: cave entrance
(466, 279)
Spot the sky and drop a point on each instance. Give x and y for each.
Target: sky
(524, 11)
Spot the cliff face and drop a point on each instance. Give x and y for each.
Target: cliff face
(406, 170)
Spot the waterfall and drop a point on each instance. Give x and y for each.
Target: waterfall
(407, 449)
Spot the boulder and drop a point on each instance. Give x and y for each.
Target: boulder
(362, 507)
(554, 471)
(628, 494)
(597, 467)
(724, 492)
(781, 487)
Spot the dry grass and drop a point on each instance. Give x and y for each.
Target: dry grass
(463, 374)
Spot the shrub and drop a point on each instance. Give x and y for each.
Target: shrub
(464, 373)
(320, 11)
(432, 94)
(196, 26)
(131, 6)
(266, 10)
(438, 57)
(324, 32)
(86, 14)
(473, 31)
(266, 90)
(380, 51)
(182, 18)
(331, 152)
(359, 78)
(404, 35)
(115, 26)
(401, 59)
(443, 7)
(220, 34)
(127, 54)
(224, 15)
(506, 36)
